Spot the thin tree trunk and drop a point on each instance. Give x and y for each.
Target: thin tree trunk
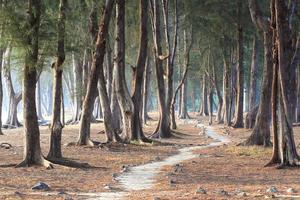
(219, 118)
(96, 74)
(239, 123)
(1, 88)
(39, 101)
(163, 129)
(146, 88)
(204, 111)
(253, 84)
(56, 124)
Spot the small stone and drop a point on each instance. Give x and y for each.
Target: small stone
(157, 158)
(223, 192)
(172, 181)
(41, 186)
(200, 191)
(291, 190)
(18, 193)
(242, 194)
(61, 192)
(68, 198)
(272, 189)
(156, 198)
(108, 187)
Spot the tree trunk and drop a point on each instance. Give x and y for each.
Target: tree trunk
(204, 109)
(77, 70)
(32, 149)
(219, 118)
(136, 131)
(287, 152)
(56, 124)
(163, 129)
(183, 111)
(1, 89)
(253, 83)
(226, 91)
(95, 75)
(261, 131)
(239, 123)
(14, 99)
(146, 88)
(124, 99)
(39, 101)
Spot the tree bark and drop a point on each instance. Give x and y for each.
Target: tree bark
(56, 124)
(163, 130)
(253, 84)
(204, 106)
(95, 75)
(1, 88)
(39, 101)
(146, 88)
(32, 149)
(14, 99)
(77, 70)
(219, 118)
(239, 123)
(261, 131)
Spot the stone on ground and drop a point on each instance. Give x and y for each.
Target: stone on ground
(41, 186)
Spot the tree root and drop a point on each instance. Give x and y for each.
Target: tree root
(69, 163)
(42, 162)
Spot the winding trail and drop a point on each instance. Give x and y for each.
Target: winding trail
(142, 177)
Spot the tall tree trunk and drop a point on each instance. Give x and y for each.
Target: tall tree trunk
(39, 101)
(97, 73)
(204, 109)
(14, 99)
(56, 124)
(136, 131)
(122, 92)
(32, 149)
(163, 129)
(219, 118)
(253, 83)
(1, 89)
(226, 91)
(146, 88)
(261, 131)
(77, 70)
(239, 123)
(183, 111)
(287, 152)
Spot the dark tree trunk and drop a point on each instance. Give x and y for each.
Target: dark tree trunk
(226, 91)
(32, 149)
(253, 84)
(146, 88)
(136, 131)
(287, 152)
(95, 75)
(239, 123)
(56, 124)
(163, 129)
(261, 131)
(204, 106)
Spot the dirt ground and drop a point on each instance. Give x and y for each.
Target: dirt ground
(230, 168)
(16, 183)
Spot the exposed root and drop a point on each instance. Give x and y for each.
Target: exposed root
(69, 163)
(41, 162)
(88, 143)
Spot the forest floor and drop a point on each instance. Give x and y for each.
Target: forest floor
(218, 170)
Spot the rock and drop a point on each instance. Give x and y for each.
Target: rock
(200, 191)
(156, 198)
(41, 186)
(222, 192)
(68, 198)
(157, 158)
(178, 168)
(272, 189)
(242, 194)
(61, 192)
(108, 187)
(291, 190)
(18, 193)
(173, 181)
